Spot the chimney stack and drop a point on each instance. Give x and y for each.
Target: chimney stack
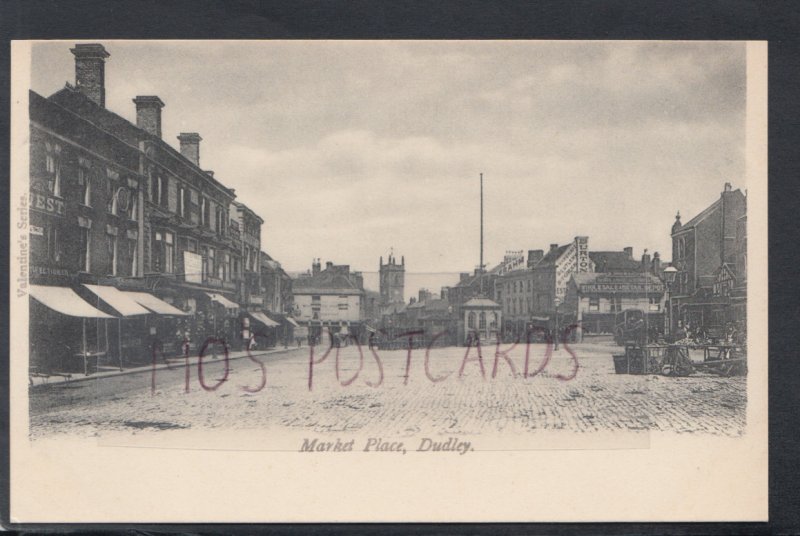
(315, 267)
(190, 146)
(210, 172)
(553, 247)
(628, 251)
(329, 265)
(657, 264)
(148, 114)
(534, 256)
(645, 261)
(90, 71)
(728, 187)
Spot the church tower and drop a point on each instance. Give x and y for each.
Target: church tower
(392, 282)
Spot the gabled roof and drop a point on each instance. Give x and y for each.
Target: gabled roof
(707, 212)
(552, 256)
(729, 267)
(703, 215)
(613, 261)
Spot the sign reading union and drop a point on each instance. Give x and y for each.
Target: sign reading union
(634, 288)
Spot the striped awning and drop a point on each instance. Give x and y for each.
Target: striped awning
(65, 301)
(121, 302)
(154, 304)
(264, 319)
(222, 300)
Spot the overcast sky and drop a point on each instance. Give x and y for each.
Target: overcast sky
(349, 148)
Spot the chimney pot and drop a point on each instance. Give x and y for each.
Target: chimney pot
(190, 146)
(90, 71)
(629, 252)
(148, 114)
(727, 187)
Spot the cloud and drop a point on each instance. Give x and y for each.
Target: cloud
(348, 148)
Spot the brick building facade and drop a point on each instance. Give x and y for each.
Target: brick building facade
(704, 250)
(115, 207)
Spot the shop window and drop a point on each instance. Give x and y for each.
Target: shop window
(616, 304)
(594, 303)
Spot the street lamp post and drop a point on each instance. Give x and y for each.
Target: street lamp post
(670, 272)
(556, 302)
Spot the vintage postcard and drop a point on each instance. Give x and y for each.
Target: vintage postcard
(268, 281)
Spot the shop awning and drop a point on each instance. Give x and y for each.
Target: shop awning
(222, 300)
(292, 321)
(264, 319)
(154, 304)
(370, 328)
(65, 301)
(120, 301)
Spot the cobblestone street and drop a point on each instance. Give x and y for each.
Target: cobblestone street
(596, 399)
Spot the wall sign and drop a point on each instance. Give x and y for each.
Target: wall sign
(47, 204)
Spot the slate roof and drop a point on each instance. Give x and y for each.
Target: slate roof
(106, 120)
(614, 261)
(706, 212)
(552, 256)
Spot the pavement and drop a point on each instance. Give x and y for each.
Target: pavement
(390, 396)
(168, 363)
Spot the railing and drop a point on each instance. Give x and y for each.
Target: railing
(213, 281)
(230, 285)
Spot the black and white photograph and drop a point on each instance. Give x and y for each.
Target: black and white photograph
(326, 261)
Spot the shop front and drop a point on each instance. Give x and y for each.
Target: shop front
(66, 333)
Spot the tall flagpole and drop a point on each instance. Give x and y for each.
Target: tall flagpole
(480, 267)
